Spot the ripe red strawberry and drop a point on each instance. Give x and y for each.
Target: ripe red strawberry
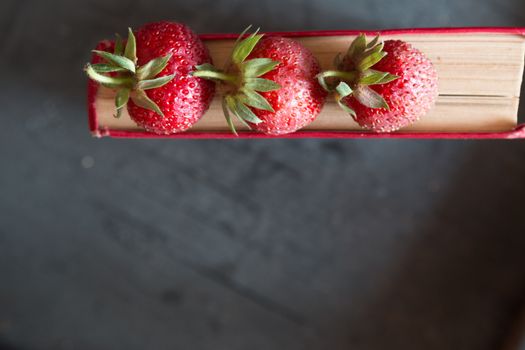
(152, 76)
(271, 85)
(384, 86)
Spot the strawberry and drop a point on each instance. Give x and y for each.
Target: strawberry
(270, 85)
(384, 86)
(152, 77)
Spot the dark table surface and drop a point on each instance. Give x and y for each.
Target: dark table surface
(305, 244)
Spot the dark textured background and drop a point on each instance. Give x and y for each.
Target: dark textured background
(306, 244)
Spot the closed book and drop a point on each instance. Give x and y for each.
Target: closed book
(480, 76)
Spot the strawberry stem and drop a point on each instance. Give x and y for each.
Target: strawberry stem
(349, 77)
(121, 72)
(354, 74)
(210, 74)
(242, 82)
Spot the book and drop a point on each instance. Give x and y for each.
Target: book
(480, 76)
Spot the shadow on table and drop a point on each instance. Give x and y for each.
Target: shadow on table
(4, 345)
(465, 272)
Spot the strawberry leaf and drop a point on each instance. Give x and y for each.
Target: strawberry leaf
(344, 90)
(119, 46)
(339, 75)
(259, 66)
(214, 75)
(338, 59)
(228, 117)
(141, 99)
(153, 68)
(358, 46)
(321, 77)
(207, 66)
(121, 100)
(243, 34)
(113, 82)
(210, 72)
(369, 98)
(120, 61)
(232, 105)
(131, 47)
(370, 61)
(262, 85)
(373, 42)
(245, 47)
(388, 79)
(154, 83)
(373, 78)
(107, 68)
(255, 100)
(246, 113)
(243, 122)
(376, 49)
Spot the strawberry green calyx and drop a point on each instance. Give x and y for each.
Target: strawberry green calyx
(241, 81)
(121, 72)
(354, 74)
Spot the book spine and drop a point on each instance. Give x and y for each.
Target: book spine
(518, 133)
(416, 31)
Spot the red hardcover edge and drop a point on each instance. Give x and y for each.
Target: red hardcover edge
(518, 133)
